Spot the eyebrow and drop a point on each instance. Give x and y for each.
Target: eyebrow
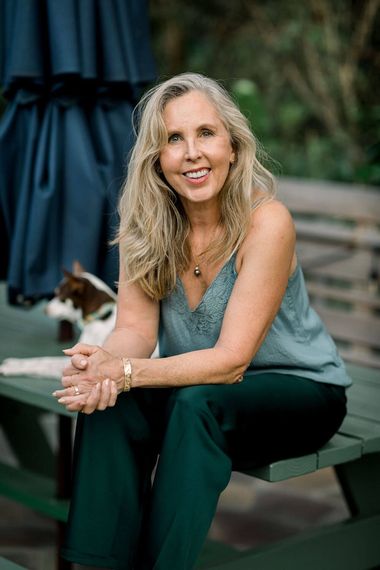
(209, 126)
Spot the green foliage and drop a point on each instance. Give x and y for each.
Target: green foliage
(305, 74)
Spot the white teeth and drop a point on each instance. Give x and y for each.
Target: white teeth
(197, 174)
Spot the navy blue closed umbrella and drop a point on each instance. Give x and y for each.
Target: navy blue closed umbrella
(72, 72)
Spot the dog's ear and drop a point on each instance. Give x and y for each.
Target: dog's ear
(67, 273)
(78, 268)
(75, 282)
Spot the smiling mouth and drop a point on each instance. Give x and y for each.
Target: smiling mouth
(197, 174)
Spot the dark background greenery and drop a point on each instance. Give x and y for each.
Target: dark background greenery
(305, 73)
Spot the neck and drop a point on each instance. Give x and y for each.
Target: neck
(202, 235)
(204, 226)
(203, 215)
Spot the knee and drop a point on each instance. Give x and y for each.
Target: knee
(194, 411)
(192, 398)
(195, 400)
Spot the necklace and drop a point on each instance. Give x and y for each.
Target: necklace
(197, 272)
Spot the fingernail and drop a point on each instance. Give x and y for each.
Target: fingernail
(83, 362)
(107, 382)
(54, 393)
(61, 400)
(98, 386)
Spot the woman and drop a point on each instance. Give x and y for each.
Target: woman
(247, 374)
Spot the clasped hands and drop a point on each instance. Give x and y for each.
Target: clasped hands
(92, 381)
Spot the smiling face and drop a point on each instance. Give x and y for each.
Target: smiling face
(198, 154)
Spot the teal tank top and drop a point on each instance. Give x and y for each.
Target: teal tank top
(297, 342)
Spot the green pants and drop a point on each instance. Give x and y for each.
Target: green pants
(120, 519)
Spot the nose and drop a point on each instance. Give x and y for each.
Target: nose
(193, 151)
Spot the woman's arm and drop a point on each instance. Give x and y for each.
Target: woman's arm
(135, 333)
(266, 263)
(136, 326)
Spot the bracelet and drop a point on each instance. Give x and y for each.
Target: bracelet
(127, 367)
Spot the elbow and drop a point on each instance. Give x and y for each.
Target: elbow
(235, 365)
(237, 373)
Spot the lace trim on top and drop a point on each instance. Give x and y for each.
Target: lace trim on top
(211, 307)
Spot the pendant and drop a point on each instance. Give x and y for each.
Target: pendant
(197, 271)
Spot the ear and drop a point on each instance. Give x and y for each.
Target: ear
(67, 273)
(232, 157)
(74, 279)
(78, 268)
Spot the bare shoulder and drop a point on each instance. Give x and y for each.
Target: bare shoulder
(271, 221)
(271, 234)
(271, 215)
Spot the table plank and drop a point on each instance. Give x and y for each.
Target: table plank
(34, 391)
(284, 469)
(339, 449)
(368, 431)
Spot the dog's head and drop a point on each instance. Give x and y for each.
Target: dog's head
(78, 295)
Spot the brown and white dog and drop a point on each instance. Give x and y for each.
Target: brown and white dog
(83, 299)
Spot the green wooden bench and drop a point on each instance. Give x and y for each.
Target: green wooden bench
(339, 247)
(39, 478)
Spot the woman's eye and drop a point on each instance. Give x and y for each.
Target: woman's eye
(174, 138)
(207, 133)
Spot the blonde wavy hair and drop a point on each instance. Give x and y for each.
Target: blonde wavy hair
(154, 228)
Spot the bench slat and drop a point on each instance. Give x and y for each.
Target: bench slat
(352, 296)
(364, 401)
(353, 270)
(362, 374)
(323, 260)
(34, 491)
(339, 449)
(353, 327)
(281, 470)
(324, 232)
(368, 431)
(358, 357)
(342, 200)
(9, 565)
(34, 391)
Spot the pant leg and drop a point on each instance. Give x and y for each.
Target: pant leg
(277, 416)
(115, 452)
(214, 428)
(192, 470)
